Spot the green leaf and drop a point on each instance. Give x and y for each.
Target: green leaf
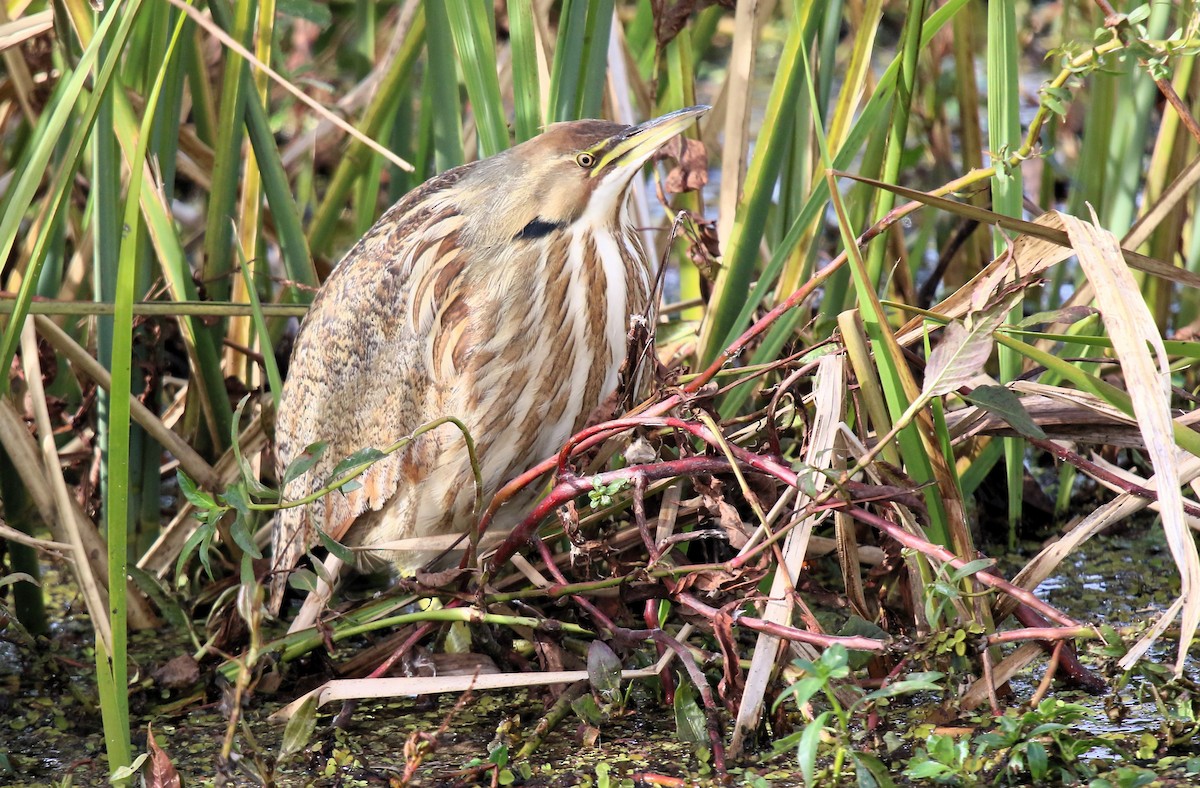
(337, 548)
(130, 771)
(299, 728)
(871, 771)
(363, 458)
(317, 13)
(1001, 401)
(927, 682)
(971, 567)
(690, 724)
(1039, 763)
(244, 538)
(585, 706)
(803, 690)
(303, 580)
(926, 770)
(195, 496)
(604, 670)
(199, 541)
(235, 496)
(304, 461)
(499, 755)
(806, 752)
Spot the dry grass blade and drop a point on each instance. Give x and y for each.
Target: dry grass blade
(15, 32)
(742, 58)
(93, 593)
(830, 393)
(1147, 378)
(352, 689)
(1139, 261)
(1123, 506)
(1030, 256)
(1008, 668)
(1154, 216)
(192, 463)
(315, 106)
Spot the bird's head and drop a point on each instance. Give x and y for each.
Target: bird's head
(578, 169)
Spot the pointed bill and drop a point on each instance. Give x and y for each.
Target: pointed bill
(635, 146)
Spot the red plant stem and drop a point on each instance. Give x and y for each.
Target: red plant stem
(602, 432)
(403, 649)
(1068, 659)
(1039, 633)
(942, 554)
(1094, 470)
(571, 486)
(599, 434)
(666, 677)
(783, 631)
(989, 677)
(710, 705)
(639, 518)
(1051, 669)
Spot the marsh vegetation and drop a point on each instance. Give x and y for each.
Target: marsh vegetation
(926, 340)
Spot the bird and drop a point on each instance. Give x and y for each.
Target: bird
(500, 293)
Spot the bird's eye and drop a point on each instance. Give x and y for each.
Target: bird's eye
(585, 160)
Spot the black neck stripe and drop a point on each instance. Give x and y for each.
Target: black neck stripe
(538, 228)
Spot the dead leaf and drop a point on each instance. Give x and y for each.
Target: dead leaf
(724, 512)
(161, 773)
(182, 671)
(733, 680)
(690, 172)
(439, 579)
(670, 18)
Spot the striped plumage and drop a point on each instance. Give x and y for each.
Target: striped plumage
(500, 293)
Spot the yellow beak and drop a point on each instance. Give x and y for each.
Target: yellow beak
(630, 149)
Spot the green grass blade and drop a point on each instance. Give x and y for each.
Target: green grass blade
(227, 156)
(474, 41)
(1004, 136)
(901, 109)
(580, 59)
(741, 255)
(527, 102)
(119, 466)
(443, 90)
(868, 120)
(351, 166)
(29, 179)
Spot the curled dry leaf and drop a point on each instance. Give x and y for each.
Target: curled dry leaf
(440, 579)
(723, 512)
(671, 17)
(704, 247)
(162, 772)
(180, 672)
(690, 172)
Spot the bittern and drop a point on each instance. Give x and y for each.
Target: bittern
(500, 293)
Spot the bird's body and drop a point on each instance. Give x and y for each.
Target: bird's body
(486, 294)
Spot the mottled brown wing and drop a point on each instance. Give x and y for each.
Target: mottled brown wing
(360, 374)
